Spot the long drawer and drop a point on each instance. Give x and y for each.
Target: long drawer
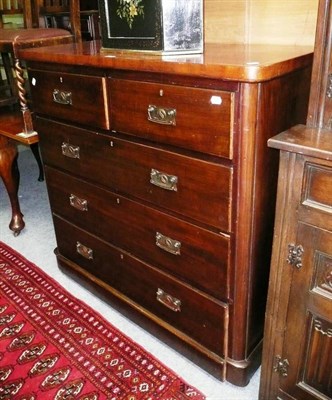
(187, 186)
(65, 97)
(155, 237)
(192, 118)
(186, 309)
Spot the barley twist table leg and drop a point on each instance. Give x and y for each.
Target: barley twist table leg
(26, 113)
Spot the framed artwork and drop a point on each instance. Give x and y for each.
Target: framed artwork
(162, 26)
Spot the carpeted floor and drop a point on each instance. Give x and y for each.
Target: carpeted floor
(54, 346)
(37, 242)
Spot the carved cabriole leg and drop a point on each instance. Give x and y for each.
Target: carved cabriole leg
(10, 176)
(35, 150)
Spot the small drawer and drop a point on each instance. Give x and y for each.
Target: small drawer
(317, 190)
(191, 118)
(187, 186)
(199, 316)
(195, 255)
(75, 98)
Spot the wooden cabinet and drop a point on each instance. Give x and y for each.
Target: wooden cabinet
(297, 355)
(162, 187)
(297, 362)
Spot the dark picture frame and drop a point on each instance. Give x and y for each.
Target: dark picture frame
(145, 32)
(161, 26)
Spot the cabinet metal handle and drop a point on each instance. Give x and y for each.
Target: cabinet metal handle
(68, 150)
(78, 203)
(162, 115)
(163, 180)
(84, 251)
(166, 243)
(62, 97)
(295, 253)
(169, 301)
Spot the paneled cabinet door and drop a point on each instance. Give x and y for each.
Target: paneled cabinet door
(306, 360)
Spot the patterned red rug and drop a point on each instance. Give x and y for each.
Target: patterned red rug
(53, 346)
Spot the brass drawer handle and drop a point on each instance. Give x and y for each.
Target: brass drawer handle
(162, 115)
(163, 180)
(84, 251)
(166, 243)
(62, 97)
(79, 204)
(68, 150)
(169, 301)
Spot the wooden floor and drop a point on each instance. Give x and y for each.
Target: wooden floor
(11, 125)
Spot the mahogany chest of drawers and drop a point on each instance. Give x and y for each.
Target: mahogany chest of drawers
(162, 186)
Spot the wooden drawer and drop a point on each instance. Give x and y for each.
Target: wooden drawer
(203, 189)
(196, 255)
(195, 314)
(65, 97)
(317, 187)
(192, 118)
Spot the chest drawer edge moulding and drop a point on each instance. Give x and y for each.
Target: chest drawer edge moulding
(162, 187)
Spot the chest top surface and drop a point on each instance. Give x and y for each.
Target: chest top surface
(305, 140)
(247, 63)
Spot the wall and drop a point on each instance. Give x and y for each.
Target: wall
(258, 21)
(290, 22)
